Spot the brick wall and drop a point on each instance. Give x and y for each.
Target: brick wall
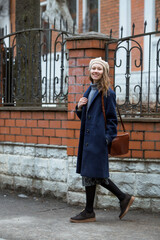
(157, 6)
(137, 17)
(144, 138)
(80, 17)
(12, 14)
(39, 127)
(109, 17)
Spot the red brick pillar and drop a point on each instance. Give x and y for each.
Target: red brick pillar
(82, 48)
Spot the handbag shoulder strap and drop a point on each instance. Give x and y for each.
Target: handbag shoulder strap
(104, 114)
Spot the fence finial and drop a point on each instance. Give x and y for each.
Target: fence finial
(145, 24)
(54, 23)
(111, 33)
(133, 27)
(61, 23)
(6, 30)
(157, 22)
(121, 31)
(66, 26)
(74, 27)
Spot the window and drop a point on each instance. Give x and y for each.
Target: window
(61, 11)
(4, 17)
(91, 15)
(72, 6)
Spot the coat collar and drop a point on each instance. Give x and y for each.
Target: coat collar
(87, 93)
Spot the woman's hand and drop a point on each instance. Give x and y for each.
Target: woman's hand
(82, 101)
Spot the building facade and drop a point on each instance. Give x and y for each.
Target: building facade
(39, 144)
(96, 15)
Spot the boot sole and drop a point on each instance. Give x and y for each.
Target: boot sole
(128, 206)
(83, 221)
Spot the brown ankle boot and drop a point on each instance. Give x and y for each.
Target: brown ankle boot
(125, 205)
(83, 217)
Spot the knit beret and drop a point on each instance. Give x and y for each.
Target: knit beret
(99, 61)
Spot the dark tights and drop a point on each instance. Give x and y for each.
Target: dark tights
(90, 194)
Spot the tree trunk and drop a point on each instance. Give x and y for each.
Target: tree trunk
(28, 57)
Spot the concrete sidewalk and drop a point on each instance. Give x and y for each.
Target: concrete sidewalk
(33, 218)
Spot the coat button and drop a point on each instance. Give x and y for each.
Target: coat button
(87, 131)
(86, 144)
(89, 117)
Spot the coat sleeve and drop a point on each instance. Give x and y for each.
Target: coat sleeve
(78, 112)
(111, 116)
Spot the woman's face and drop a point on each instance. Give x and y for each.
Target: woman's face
(96, 72)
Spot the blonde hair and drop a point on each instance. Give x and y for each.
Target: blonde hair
(104, 83)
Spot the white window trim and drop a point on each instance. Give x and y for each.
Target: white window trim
(125, 17)
(77, 14)
(84, 15)
(85, 11)
(125, 22)
(99, 15)
(149, 16)
(5, 24)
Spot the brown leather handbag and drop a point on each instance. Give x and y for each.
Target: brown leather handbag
(120, 144)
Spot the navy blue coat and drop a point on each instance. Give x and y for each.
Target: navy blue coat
(92, 160)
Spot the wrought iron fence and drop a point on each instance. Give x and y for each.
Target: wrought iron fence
(136, 77)
(34, 67)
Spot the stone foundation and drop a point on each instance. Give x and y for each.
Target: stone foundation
(34, 168)
(47, 169)
(135, 176)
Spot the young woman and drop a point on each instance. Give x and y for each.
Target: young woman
(92, 161)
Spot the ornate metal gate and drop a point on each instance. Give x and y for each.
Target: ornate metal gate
(136, 77)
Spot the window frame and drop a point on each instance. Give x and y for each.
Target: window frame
(77, 11)
(84, 15)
